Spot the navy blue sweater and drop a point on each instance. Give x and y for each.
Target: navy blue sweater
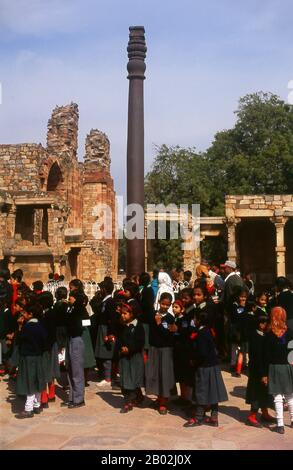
(32, 339)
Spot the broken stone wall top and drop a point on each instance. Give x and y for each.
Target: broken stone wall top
(97, 151)
(62, 133)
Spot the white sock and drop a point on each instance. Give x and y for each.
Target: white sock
(289, 399)
(278, 400)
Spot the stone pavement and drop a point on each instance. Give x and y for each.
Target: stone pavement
(99, 425)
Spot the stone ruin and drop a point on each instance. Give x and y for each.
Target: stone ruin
(47, 202)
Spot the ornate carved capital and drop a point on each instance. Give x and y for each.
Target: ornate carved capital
(279, 220)
(232, 221)
(136, 52)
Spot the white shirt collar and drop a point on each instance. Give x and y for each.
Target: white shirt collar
(107, 297)
(233, 273)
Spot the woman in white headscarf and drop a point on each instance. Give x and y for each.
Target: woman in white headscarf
(165, 285)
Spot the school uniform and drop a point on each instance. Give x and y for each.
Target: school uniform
(51, 362)
(108, 324)
(182, 351)
(277, 367)
(89, 355)
(160, 378)
(131, 365)
(8, 324)
(256, 393)
(147, 299)
(285, 300)
(279, 370)
(242, 323)
(61, 314)
(209, 387)
(31, 377)
(75, 353)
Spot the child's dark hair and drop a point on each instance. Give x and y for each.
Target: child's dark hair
(144, 279)
(261, 318)
(38, 285)
(80, 297)
(125, 281)
(203, 318)
(166, 295)
(186, 291)
(108, 286)
(188, 274)
(133, 288)
(46, 300)
(61, 293)
(17, 275)
(283, 283)
(35, 310)
(203, 287)
(260, 294)
(239, 291)
(77, 283)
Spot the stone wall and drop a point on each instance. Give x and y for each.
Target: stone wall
(263, 205)
(19, 167)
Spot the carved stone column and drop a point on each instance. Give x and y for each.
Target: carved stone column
(10, 223)
(231, 224)
(38, 221)
(280, 222)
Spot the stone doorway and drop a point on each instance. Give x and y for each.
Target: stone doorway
(73, 262)
(256, 242)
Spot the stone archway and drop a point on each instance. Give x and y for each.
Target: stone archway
(55, 178)
(256, 242)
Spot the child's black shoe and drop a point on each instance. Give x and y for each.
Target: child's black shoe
(38, 411)
(278, 429)
(126, 408)
(211, 421)
(25, 414)
(192, 422)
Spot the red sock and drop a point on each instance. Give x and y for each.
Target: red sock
(239, 364)
(145, 356)
(162, 402)
(44, 396)
(252, 417)
(51, 390)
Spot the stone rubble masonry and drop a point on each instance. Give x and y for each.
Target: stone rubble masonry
(62, 192)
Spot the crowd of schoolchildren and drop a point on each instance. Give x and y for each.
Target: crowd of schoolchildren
(148, 336)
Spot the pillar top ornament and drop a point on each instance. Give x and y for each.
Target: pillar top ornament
(232, 220)
(279, 220)
(136, 52)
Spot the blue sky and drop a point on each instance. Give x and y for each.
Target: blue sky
(202, 56)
